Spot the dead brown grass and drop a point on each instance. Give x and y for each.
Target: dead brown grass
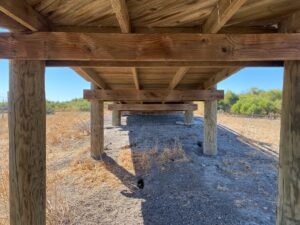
(66, 130)
(261, 132)
(66, 126)
(62, 129)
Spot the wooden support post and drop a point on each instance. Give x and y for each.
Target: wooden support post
(289, 155)
(116, 118)
(97, 128)
(288, 211)
(27, 143)
(188, 117)
(210, 128)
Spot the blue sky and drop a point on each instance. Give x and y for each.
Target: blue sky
(64, 84)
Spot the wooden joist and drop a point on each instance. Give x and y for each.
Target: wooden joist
(90, 75)
(178, 77)
(153, 95)
(121, 11)
(24, 14)
(223, 74)
(146, 64)
(135, 78)
(224, 10)
(18, 13)
(150, 47)
(152, 107)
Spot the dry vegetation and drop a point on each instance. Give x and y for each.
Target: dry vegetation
(68, 139)
(261, 132)
(68, 144)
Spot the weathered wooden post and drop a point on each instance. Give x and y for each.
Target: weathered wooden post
(188, 117)
(288, 211)
(116, 118)
(210, 128)
(97, 128)
(27, 143)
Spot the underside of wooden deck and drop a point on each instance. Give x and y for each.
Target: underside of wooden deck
(143, 56)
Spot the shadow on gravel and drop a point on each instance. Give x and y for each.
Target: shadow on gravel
(231, 188)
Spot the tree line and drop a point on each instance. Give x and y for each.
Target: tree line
(253, 102)
(77, 104)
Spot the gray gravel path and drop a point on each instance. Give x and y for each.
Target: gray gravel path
(238, 186)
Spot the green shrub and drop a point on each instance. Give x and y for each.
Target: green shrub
(253, 102)
(73, 105)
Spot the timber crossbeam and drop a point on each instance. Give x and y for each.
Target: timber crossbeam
(153, 107)
(153, 95)
(149, 47)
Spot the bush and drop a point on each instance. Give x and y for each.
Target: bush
(73, 105)
(253, 102)
(50, 109)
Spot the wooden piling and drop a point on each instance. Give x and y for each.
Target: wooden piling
(289, 149)
(210, 128)
(116, 118)
(188, 117)
(97, 128)
(27, 143)
(289, 153)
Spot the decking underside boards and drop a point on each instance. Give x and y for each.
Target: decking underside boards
(139, 51)
(131, 16)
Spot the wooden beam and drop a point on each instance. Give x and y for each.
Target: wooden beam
(135, 78)
(222, 13)
(145, 64)
(24, 14)
(178, 77)
(9, 23)
(150, 47)
(152, 107)
(121, 11)
(219, 77)
(19, 12)
(153, 95)
(90, 75)
(27, 143)
(224, 10)
(226, 30)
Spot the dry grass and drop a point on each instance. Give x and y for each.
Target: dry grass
(68, 139)
(66, 126)
(62, 130)
(261, 132)
(258, 131)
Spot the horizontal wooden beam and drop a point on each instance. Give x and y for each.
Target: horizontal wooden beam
(153, 107)
(196, 29)
(153, 95)
(150, 47)
(145, 64)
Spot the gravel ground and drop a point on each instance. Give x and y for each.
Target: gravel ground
(238, 186)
